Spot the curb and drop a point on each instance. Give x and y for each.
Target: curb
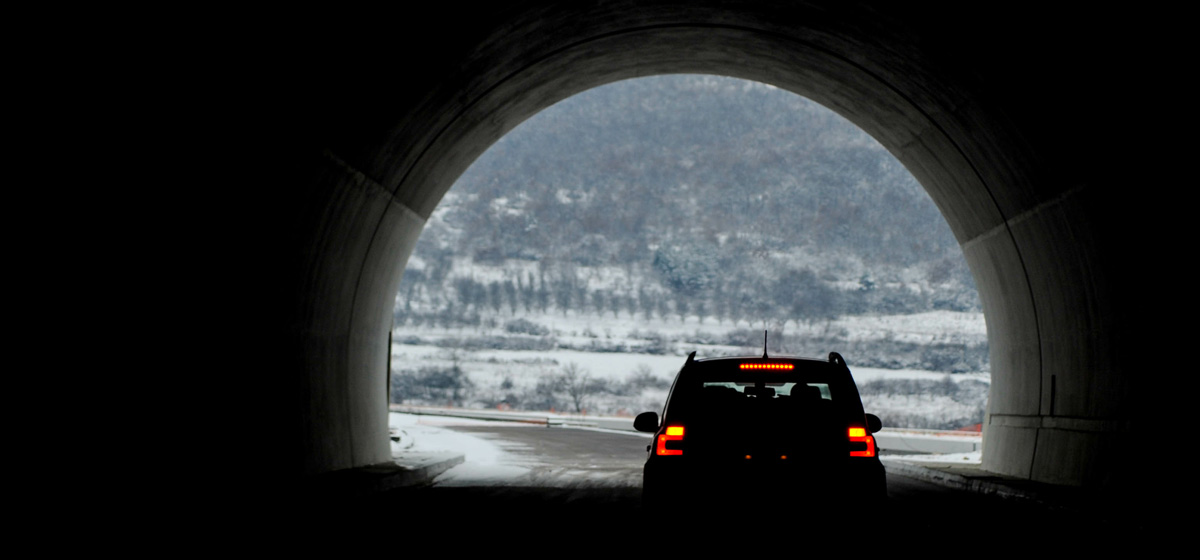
(406, 470)
(982, 482)
(419, 469)
(1097, 504)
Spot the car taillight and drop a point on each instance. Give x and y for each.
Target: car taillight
(862, 444)
(757, 365)
(673, 433)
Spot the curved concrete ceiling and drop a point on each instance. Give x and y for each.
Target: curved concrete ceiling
(993, 114)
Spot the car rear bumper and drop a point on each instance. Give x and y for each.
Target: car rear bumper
(852, 483)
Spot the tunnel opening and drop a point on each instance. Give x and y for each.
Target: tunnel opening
(1009, 170)
(534, 287)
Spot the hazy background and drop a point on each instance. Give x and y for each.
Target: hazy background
(590, 249)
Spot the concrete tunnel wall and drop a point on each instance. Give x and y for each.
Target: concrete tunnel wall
(996, 125)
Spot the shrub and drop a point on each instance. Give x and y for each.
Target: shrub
(525, 326)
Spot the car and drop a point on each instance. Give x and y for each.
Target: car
(754, 430)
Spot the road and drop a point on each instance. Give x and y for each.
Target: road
(571, 478)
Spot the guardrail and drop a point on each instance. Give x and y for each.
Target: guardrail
(928, 441)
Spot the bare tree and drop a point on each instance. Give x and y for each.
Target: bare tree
(577, 382)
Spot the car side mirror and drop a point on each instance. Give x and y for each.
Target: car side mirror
(874, 424)
(646, 422)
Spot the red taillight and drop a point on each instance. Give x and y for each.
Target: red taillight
(766, 366)
(673, 433)
(860, 435)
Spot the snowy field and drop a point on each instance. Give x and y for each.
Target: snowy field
(580, 332)
(593, 345)
(933, 326)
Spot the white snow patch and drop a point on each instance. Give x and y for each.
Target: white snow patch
(968, 458)
(484, 461)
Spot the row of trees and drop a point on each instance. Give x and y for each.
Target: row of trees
(571, 388)
(797, 296)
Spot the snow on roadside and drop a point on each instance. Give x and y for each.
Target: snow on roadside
(934, 459)
(485, 461)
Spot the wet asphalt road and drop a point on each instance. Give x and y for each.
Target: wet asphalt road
(589, 482)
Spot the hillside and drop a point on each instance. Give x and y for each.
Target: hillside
(590, 249)
(687, 195)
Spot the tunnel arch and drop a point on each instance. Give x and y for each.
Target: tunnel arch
(1007, 167)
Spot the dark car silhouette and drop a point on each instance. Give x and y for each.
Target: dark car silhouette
(782, 430)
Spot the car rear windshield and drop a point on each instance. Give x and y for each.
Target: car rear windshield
(806, 389)
(772, 390)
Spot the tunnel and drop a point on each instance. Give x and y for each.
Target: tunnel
(359, 127)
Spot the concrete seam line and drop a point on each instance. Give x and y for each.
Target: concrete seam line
(1023, 216)
(370, 182)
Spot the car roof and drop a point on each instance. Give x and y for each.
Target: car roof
(760, 358)
(709, 366)
(810, 364)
